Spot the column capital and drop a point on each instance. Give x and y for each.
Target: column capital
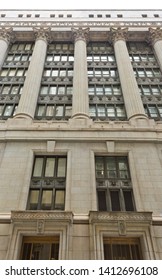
(155, 34)
(80, 33)
(6, 34)
(118, 34)
(42, 33)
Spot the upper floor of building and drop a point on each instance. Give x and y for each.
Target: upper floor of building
(81, 14)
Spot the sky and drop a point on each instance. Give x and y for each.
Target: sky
(74, 4)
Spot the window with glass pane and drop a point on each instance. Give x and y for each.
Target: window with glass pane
(114, 188)
(156, 90)
(120, 111)
(11, 89)
(8, 110)
(47, 189)
(122, 248)
(54, 112)
(154, 111)
(107, 111)
(110, 111)
(40, 248)
(92, 111)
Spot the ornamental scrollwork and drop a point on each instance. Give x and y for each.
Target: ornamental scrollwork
(6, 33)
(118, 34)
(43, 33)
(80, 33)
(155, 34)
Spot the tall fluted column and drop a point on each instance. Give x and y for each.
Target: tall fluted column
(28, 100)
(156, 40)
(5, 37)
(80, 79)
(132, 99)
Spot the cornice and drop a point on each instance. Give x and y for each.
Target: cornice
(62, 30)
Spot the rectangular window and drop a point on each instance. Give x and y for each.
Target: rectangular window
(114, 188)
(109, 112)
(40, 248)
(154, 111)
(47, 189)
(122, 249)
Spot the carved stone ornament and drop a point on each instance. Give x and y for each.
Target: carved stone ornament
(104, 217)
(6, 33)
(40, 226)
(118, 34)
(81, 23)
(155, 34)
(17, 216)
(122, 227)
(80, 33)
(43, 33)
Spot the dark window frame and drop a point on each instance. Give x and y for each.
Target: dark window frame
(114, 192)
(52, 184)
(122, 248)
(33, 245)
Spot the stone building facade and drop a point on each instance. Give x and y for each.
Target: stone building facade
(81, 134)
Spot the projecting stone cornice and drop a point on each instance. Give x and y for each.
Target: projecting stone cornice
(99, 30)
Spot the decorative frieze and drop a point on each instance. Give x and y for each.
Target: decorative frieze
(82, 23)
(104, 217)
(17, 216)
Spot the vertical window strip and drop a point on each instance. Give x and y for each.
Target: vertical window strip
(113, 183)
(47, 190)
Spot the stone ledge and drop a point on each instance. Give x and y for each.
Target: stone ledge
(104, 217)
(18, 216)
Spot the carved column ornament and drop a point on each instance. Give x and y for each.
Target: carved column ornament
(118, 34)
(80, 33)
(6, 33)
(42, 33)
(155, 34)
